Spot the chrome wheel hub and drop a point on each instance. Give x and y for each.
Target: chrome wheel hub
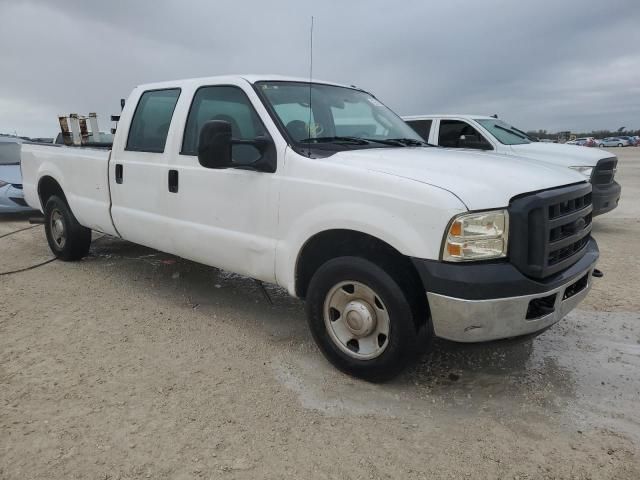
(356, 319)
(360, 318)
(58, 232)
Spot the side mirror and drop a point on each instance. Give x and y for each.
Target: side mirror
(264, 148)
(214, 145)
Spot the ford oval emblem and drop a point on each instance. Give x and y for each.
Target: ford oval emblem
(578, 225)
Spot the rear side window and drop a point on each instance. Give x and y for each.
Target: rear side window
(421, 127)
(151, 120)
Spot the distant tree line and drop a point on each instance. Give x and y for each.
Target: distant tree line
(29, 139)
(623, 131)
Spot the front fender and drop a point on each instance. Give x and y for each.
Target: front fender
(404, 231)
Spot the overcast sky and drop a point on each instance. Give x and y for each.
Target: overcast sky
(556, 65)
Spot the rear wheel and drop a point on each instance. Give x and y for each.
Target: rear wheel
(620, 145)
(67, 239)
(361, 319)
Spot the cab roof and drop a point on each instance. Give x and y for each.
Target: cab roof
(250, 78)
(447, 115)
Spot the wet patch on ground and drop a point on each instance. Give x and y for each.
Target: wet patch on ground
(582, 373)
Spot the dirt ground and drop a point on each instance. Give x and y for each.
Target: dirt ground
(136, 364)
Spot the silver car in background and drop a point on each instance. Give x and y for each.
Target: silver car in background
(11, 195)
(613, 142)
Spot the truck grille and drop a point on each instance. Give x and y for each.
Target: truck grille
(605, 171)
(549, 230)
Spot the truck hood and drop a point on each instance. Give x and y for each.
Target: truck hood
(558, 154)
(480, 180)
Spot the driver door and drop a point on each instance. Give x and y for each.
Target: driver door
(224, 217)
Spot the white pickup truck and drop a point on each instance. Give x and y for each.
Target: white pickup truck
(478, 132)
(323, 190)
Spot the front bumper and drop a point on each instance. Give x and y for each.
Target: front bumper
(481, 302)
(605, 198)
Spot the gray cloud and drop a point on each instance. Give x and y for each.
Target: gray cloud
(557, 65)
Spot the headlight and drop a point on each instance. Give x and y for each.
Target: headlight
(586, 171)
(477, 236)
(3, 184)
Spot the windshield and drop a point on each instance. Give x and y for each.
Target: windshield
(505, 133)
(337, 115)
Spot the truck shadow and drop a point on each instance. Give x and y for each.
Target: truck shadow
(17, 217)
(576, 363)
(470, 375)
(576, 373)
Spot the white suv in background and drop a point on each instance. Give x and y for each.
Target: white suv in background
(479, 132)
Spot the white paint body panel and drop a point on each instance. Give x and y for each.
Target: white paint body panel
(256, 223)
(481, 180)
(82, 174)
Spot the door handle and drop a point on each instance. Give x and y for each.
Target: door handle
(118, 173)
(173, 181)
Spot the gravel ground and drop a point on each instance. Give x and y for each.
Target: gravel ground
(137, 364)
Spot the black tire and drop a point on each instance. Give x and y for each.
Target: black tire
(68, 240)
(403, 336)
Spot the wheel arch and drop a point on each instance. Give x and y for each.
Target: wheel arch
(48, 186)
(333, 243)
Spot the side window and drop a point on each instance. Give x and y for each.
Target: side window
(232, 105)
(458, 134)
(151, 120)
(421, 127)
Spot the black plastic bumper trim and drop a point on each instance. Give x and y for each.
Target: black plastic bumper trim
(19, 201)
(605, 197)
(485, 281)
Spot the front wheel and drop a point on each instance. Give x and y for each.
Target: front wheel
(67, 239)
(361, 319)
(620, 145)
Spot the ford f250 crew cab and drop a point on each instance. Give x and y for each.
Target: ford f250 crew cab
(479, 132)
(323, 190)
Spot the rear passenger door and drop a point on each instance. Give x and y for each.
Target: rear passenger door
(138, 172)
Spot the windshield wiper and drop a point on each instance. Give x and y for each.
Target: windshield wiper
(525, 134)
(394, 142)
(354, 140)
(508, 130)
(386, 141)
(412, 142)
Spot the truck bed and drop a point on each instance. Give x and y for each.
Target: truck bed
(82, 172)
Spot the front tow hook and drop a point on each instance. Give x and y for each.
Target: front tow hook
(597, 273)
